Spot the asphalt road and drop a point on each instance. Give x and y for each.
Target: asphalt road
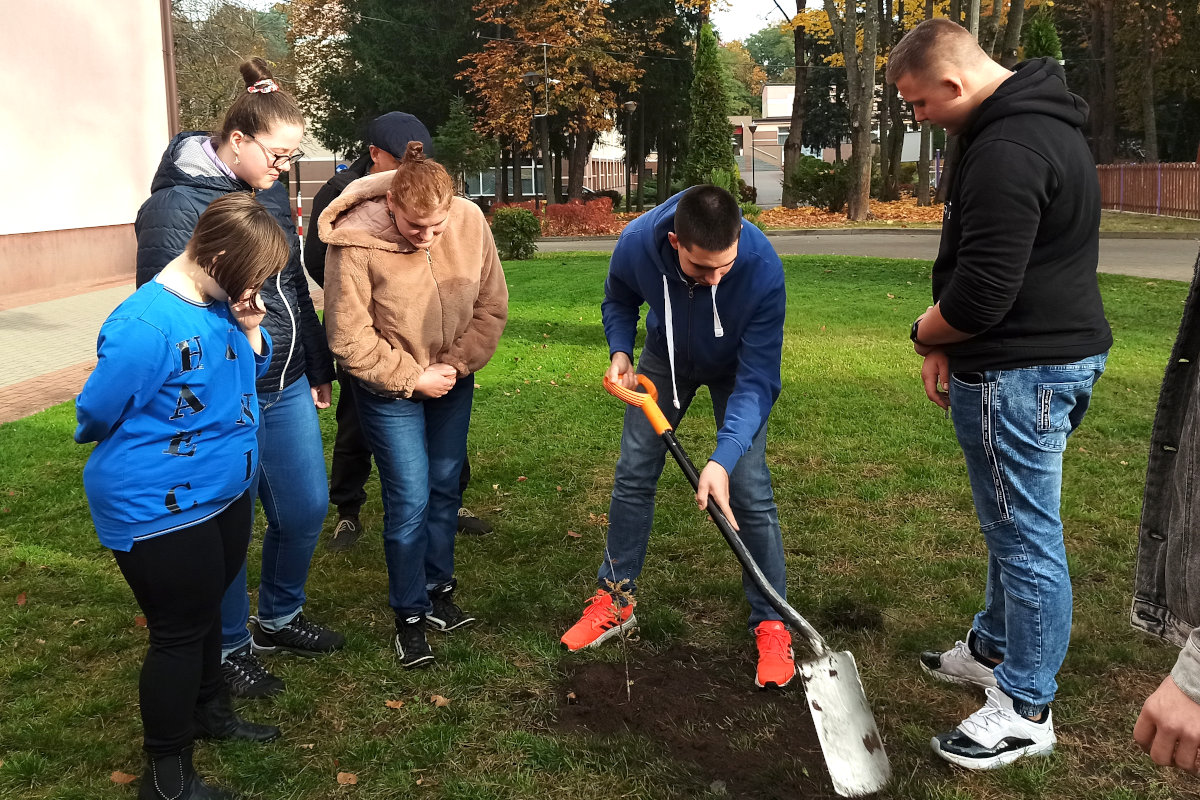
(1156, 258)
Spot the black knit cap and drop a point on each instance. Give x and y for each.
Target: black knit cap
(394, 130)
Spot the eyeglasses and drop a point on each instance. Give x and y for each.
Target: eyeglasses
(276, 159)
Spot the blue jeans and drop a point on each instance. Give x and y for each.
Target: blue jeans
(294, 491)
(643, 455)
(1013, 426)
(419, 448)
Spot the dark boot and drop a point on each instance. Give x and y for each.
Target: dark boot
(216, 719)
(173, 778)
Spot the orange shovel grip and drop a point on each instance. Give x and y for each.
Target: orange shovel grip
(647, 401)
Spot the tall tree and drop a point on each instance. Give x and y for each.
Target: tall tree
(849, 18)
(743, 79)
(212, 38)
(710, 145)
(397, 56)
(575, 44)
(459, 147)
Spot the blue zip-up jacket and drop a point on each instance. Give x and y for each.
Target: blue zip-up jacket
(173, 408)
(185, 183)
(744, 338)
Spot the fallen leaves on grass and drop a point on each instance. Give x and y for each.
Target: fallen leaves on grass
(439, 701)
(347, 779)
(121, 778)
(574, 535)
(139, 621)
(898, 213)
(21, 599)
(394, 704)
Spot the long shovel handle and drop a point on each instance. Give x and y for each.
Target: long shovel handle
(648, 402)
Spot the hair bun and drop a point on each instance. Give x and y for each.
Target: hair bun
(254, 71)
(415, 151)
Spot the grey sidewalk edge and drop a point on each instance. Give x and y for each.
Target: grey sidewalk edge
(775, 232)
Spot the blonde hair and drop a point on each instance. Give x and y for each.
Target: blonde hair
(421, 186)
(238, 243)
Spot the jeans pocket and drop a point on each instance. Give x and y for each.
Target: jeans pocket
(1055, 404)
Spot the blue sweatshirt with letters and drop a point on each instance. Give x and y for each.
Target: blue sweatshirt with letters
(173, 408)
(734, 328)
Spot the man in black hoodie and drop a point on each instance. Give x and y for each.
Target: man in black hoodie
(1014, 342)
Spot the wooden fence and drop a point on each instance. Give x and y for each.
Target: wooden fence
(1169, 190)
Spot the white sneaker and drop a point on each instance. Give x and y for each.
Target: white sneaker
(995, 735)
(958, 665)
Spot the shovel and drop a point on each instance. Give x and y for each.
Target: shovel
(845, 726)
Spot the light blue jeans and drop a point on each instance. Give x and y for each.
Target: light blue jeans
(1013, 426)
(419, 448)
(643, 456)
(294, 491)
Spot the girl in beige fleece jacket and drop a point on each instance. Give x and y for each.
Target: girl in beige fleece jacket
(415, 302)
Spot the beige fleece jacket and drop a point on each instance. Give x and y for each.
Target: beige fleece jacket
(392, 309)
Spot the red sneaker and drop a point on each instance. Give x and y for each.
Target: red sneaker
(601, 620)
(776, 661)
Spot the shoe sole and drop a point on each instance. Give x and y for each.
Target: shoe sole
(627, 625)
(419, 663)
(994, 762)
(773, 685)
(433, 624)
(957, 680)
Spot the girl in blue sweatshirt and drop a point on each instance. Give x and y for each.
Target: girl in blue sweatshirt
(172, 408)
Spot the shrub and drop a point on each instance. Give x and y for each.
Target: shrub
(592, 218)
(746, 192)
(516, 231)
(818, 183)
(753, 214)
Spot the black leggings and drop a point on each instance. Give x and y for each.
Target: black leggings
(178, 579)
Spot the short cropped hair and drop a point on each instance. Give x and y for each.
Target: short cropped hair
(709, 218)
(421, 186)
(238, 243)
(931, 42)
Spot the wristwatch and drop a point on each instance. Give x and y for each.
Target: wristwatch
(912, 332)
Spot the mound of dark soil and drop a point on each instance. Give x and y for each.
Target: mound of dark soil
(704, 712)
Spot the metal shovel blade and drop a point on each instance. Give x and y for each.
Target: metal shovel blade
(845, 726)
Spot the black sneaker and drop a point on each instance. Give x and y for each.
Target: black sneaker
(472, 525)
(299, 636)
(446, 616)
(411, 646)
(345, 534)
(247, 677)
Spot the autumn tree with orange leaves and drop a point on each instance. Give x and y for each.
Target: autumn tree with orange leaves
(588, 60)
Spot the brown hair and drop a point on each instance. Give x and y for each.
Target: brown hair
(421, 185)
(932, 42)
(258, 112)
(238, 243)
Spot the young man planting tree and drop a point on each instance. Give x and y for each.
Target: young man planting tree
(715, 290)
(1014, 343)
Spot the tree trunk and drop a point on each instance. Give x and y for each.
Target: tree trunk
(1012, 35)
(518, 185)
(989, 29)
(860, 89)
(973, 17)
(579, 158)
(641, 156)
(1108, 131)
(793, 146)
(956, 11)
(1149, 122)
(547, 168)
(666, 157)
(886, 120)
(923, 193)
(558, 177)
(499, 190)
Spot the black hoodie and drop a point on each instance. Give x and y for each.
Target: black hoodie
(1020, 233)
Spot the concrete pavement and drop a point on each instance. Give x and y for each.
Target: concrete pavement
(48, 347)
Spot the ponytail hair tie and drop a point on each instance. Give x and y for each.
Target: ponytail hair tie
(265, 86)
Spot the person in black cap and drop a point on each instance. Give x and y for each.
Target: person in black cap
(387, 135)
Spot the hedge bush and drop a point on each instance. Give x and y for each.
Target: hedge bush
(516, 232)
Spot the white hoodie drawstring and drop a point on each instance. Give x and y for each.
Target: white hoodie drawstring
(718, 331)
(670, 339)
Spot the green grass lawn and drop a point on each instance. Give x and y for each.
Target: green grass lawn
(884, 556)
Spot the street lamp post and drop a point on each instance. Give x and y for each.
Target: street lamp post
(630, 106)
(752, 128)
